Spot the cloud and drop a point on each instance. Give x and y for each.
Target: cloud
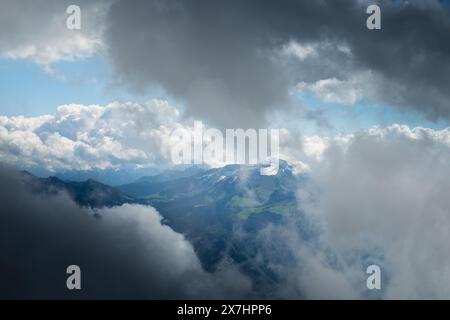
(36, 30)
(298, 267)
(201, 52)
(380, 198)
(233, 62)
(79, 137)
(127, 253)
(333, 90)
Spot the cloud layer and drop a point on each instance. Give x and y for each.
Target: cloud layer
(79, 137)
(233, 62)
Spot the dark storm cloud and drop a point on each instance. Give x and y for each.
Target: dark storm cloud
(125, 254)
(205, 52)
(220, 56)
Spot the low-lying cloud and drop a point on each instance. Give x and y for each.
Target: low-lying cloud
(383, 199)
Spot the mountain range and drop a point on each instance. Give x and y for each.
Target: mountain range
(220, 211)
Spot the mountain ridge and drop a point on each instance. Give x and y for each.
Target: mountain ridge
(220, 211)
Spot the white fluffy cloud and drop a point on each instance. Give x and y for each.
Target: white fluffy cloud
(301, 51)
(333, 90)
(83, 137)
